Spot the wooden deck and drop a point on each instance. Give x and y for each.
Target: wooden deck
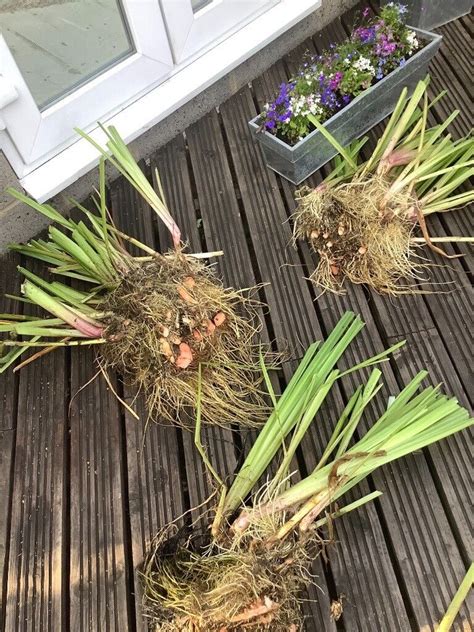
(83, 492)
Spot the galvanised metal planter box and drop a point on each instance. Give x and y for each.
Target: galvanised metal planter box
(429, 14)
(297, 162)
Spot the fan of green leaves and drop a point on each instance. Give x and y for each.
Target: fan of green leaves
(413, 155)
(411, 421)
(90, 249)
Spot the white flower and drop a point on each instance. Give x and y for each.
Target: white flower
(364, 65)
(412, 40)
(401, 8)
(304, 105)
(315, 109)
(296, 104)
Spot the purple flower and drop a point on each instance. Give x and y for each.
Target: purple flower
(365, 35)
(329, 99)
(283, 95)
(279, 111)
(384, 46)
(336, 81)
(380, 44)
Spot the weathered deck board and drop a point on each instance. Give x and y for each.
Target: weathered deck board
(86, 492)
(8, 413)
(98, 588)
(34, 586)
(178, 192)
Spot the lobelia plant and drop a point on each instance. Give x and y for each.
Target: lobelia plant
(250, 573)
(163, 321)
(328, 82)
(362, 220)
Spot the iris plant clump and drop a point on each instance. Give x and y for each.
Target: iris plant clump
(368, 219)
(162, 320)
(250, 574)
(328, 82)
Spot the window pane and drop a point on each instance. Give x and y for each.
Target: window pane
(59, 45)
(198, 4)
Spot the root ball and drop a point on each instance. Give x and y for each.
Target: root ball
(354, 238)
(169, 316)
(232, 586)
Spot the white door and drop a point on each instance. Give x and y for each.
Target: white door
(69, 63)
(130, 63)
(196, 24)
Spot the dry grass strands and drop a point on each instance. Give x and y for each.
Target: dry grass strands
(233, 585)
(354, 239)
(168, 316)
(362, 219)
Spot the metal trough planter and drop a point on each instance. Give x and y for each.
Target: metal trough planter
(429, 14)
(297, 162)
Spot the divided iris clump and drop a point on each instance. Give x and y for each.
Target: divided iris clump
(328, 82)
(367, 220)
(163, 321)
(250, 573)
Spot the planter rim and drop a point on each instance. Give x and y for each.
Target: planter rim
(430, 38)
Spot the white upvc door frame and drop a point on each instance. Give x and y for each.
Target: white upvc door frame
(64, 168)
(32, 136)
(190, 31)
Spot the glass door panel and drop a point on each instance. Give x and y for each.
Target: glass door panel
(199, 4)
(59, 45)
(73, 63)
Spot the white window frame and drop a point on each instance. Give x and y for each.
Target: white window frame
(190, 31)
(37, 135)
(64, 168)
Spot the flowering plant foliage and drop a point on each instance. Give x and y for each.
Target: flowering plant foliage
(328, 82)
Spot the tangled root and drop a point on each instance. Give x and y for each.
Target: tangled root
(236, 585)
(358, 236)
(171, 315)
